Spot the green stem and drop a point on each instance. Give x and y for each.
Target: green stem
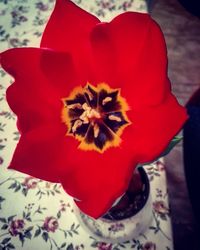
(159, 228)
(51, 247)
(4, 234)
(1, 183)
(11, 179)
(144, 236)
(55, 243)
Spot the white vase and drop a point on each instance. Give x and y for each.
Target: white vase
(116, 231)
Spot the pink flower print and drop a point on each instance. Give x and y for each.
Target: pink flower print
(50, 224)
(16, 226)
(104, 246)
(30, 182)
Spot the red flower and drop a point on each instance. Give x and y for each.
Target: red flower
(63, 95)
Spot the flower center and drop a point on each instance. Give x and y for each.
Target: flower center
(89, 113)
(95, 116)
(89, 116)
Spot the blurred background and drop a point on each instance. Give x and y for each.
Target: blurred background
(180, 24)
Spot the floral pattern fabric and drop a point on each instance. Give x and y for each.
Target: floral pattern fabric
(35, 214)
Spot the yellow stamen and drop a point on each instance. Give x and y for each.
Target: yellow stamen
(85, 120)
(75, 105)
(93, 114)
(76, 125)
(85, 106)
(84, 116)
(89, 95)
(89, 113)
(106, 100)
(96, 130)
(114, 118)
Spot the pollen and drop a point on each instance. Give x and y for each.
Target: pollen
(96, 130)
(106, 100)
(114, 118)
(75, 105)
(76, 125)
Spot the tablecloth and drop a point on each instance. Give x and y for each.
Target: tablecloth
(35, 214)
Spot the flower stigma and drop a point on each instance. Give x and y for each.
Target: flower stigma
(95, 116)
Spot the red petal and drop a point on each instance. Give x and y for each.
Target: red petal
(153, 128)
(68, 27)
(42, 78)
(130, 51)
(100, 202)
(38, 152)
(92, 174)
(103, 56)
(30, 110)
(43, 70)
(68, 30)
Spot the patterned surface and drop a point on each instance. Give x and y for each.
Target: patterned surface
(35, 214)
(38, 215)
